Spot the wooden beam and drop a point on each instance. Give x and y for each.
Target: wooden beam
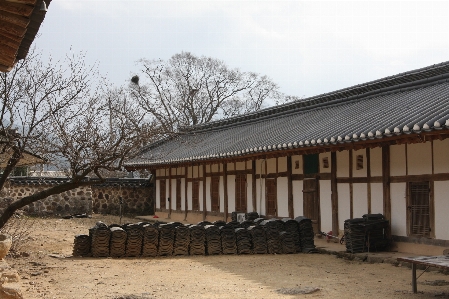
(17, 8)
(204, 193)
(386, 182)
(225, 191)
(290, 188)
(334, 195)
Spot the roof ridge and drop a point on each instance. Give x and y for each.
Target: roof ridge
(409, 78)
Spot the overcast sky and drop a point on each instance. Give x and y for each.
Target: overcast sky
(307, 48)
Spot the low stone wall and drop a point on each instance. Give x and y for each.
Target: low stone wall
(136, 194)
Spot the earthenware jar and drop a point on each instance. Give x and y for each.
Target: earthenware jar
(5, 245)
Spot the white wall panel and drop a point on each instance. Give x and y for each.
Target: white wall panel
(298, 204)
(282, 164)
(240, 166)
(189, 172)
(208, 199)
(249, 193)
(326, 205)
(158, 194)
(297, 163)
(195, 171)
(189, 195)
(377, 201)
(221, 190)
(201, 195)
(419, 158)
(231, 193)
(271, 165)
(376, 161)
(343, 164)
(344, 204)
(359, 172)
(440, 156)
(322, 156)
(282, 197)
(214, 168)
(397, 159)
(183, 194)
(260, 191)
(230, 166)
(360, 199)
(441, 210)
(398, 209)
(172, 194)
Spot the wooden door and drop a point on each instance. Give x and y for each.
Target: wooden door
(215, 194)
(195, 195)
(419, 209)
(162, 194)
(240, 193)
(271, 197)
(311, 202)
(178, 194)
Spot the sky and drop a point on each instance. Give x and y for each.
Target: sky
(307, 48)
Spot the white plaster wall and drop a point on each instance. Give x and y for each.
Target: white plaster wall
(260, 191)
(298, 170)
(195, 171)
(360, 172)
(419, 158)
(271, 165)
(173, 194)
(249, 164)
(326, 205)
(397, 159)
(298, 204)
(344, 204)
(376, 161)
(221, 190)
(183, 194)
(200, 171)
(328, 156)
(230, 166)
(440, 156)
(282, 197)
(249, 193)
(377, 198)
(173, 171)
(240, 165)
(282, 164)
(441, 200)
(343, 164)
(398, 209)
(360, 199)
(189, 172)
(201, 195)
(231, 193)
(167, 194)
(208, 198)
(158, 194)
(214, 168)
(189, 195)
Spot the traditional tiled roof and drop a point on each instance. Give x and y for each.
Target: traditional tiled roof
(108, 182)
(407, 103)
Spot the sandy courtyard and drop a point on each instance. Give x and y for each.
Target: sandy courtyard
(50, 271)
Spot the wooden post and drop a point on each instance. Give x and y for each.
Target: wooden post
(186, 169)
(225, 187)
(204, 193)
(334, 194)
(386, 181)
(253, 187)
(290, 187)
(169, 193)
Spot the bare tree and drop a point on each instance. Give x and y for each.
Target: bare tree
(189, 90)
(54, 111)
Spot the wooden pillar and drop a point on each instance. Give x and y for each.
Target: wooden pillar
(351, 187)
(153, 192)
(290, 187)
(186, 207)
(253, 187)
(204, 193)
(334, 194)
(368, 176)
(225, 187)
(169, 193)
(386, 181)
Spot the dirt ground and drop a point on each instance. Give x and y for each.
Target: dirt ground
(50, 271)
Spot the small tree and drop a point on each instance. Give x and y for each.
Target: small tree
(53, 110)
(189, 90)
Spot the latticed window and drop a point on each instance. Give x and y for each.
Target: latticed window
(162, 197)
(240, 193)
(419, 209)
(195, 195)
(215, 194)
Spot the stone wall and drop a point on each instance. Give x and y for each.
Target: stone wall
(102, 198)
